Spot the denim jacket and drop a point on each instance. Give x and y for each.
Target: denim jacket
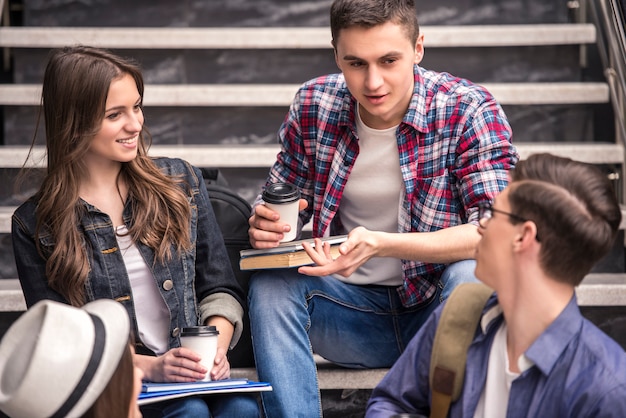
(195, 286)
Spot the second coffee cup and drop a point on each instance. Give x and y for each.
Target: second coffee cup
(202, 340)
(284, 198)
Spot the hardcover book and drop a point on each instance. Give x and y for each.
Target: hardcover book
(287, 254)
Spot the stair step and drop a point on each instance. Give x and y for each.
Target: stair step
(7, 211)
(603, 289)
(330, 376)
(597, 289)
(557, 93)
(11, 297)
(286, 37)
(588, 152)
(251, 155)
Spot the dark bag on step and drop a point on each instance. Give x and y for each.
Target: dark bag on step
(232, 213)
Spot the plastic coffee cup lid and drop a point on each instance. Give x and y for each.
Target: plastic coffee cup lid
(281, 193)
(199, 331)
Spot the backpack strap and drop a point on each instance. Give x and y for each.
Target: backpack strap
(455, 332)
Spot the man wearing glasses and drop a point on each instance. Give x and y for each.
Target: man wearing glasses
(533, 353)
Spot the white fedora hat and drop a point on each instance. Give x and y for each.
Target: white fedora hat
(55, 360)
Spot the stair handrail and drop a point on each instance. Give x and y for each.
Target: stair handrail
(611, 41)
(5, 21)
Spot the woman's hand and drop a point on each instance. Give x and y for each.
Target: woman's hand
(221, 367)
(177, 365)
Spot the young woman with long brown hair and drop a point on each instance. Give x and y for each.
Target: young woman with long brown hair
(111, 222)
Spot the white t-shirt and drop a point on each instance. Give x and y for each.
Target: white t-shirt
(153, 316)
(494, 399)
(371, 198)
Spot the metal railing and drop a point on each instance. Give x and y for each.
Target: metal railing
(608, 17)
(611, 38)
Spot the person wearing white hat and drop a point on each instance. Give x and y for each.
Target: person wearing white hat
(61, 361)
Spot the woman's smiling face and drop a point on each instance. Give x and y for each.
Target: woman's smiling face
(118, 137)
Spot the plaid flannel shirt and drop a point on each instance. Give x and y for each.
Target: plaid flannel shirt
(455, 152)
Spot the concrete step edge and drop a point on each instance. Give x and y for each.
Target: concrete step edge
(597, 289)
(247, 156)
(279, 95)
(253, 155)
(286, 37)
(334, 377)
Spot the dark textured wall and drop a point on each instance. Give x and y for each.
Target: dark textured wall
(260, 13)
(246, 125)
(234, 125)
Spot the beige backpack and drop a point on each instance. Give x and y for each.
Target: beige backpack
(454, 334)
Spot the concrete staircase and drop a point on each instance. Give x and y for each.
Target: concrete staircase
(229, 120)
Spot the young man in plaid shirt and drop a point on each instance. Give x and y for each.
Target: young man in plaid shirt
(400, 158)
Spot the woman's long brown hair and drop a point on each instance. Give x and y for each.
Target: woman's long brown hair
(75, 89)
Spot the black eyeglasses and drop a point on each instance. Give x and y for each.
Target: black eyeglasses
(486, 211)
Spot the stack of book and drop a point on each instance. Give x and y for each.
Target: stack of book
(287, 254)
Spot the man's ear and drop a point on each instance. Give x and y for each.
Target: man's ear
(334, 45)
(419, 49)
(526, 236)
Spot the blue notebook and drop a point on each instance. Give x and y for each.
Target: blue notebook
(166, 387)
(156, 392)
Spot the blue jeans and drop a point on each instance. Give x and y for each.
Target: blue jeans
(293, 316)
(178, 408)
(220, 406)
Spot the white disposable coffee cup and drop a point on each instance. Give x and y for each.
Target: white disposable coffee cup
(284, 198)
(202, 340)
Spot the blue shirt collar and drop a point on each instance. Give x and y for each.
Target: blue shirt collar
(545, 351)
